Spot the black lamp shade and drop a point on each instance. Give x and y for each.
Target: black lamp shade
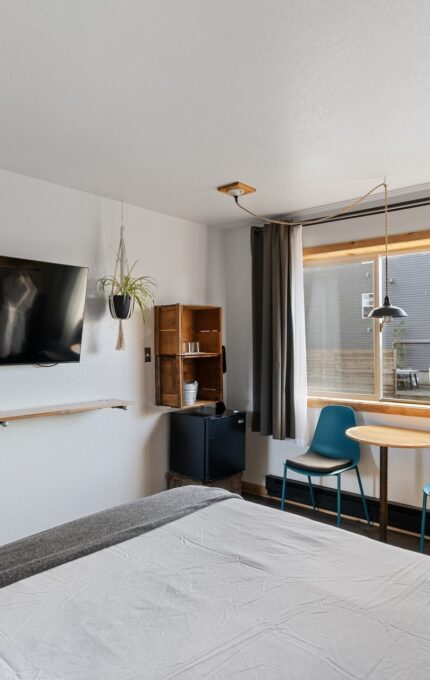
(387, 309)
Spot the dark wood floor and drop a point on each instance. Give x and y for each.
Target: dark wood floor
(394, 537)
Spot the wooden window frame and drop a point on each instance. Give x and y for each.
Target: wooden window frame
(411, 242)
(349, 251)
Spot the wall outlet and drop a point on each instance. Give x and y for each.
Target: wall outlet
(147, 354)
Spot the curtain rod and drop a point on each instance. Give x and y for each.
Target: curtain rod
(363, 212)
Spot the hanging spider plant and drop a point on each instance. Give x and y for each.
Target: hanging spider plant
(127, 291)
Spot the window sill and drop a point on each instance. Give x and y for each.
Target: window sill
(390, 407)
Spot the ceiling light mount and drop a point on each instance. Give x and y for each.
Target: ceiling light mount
(236, 189)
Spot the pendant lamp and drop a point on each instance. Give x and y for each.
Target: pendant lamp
(388, 311)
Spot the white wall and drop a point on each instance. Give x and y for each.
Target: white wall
(56, 469)
(408, 469)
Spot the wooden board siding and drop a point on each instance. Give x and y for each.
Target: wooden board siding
(343, 370)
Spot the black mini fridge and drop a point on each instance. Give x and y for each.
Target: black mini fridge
(206, 446)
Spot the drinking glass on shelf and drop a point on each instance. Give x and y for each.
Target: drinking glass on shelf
(187, 347)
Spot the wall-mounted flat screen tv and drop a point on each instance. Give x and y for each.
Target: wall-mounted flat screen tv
(41, 311)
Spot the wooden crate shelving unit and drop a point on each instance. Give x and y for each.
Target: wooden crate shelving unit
(176, 325)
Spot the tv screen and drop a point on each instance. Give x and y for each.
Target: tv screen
(41, 311)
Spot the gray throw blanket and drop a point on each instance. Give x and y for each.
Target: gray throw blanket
(70, 541)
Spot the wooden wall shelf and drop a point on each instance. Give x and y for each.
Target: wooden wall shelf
(61, 409)
(199, 355)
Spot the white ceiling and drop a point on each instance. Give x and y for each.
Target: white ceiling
(160, 101)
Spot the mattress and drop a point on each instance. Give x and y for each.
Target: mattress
(233, 590)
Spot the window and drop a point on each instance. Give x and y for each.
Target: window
(340, 352)
(406, 342)
(347, 355)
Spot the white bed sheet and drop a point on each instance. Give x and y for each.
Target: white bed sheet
(235, 590)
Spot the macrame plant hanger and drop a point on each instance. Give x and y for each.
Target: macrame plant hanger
(121, 264)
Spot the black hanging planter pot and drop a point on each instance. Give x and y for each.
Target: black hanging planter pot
(121, 306)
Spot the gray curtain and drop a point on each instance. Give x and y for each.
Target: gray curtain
(272, 326)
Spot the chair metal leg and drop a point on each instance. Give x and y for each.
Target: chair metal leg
(363, 497)
(284, 487)
(423, 522)
(338, 500)
(311, 491)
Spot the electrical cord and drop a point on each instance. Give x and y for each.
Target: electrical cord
(319, 220)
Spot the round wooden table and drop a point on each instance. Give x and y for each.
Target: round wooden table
(385, 437)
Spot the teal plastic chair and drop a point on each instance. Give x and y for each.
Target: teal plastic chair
(426, 492)
(331, 452)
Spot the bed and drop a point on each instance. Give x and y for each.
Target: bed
(213, 587)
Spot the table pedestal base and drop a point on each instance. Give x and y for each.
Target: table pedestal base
(383, 494)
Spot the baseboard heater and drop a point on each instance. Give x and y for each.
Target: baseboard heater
(404, 517)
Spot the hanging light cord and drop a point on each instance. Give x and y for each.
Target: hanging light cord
(320, 220)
